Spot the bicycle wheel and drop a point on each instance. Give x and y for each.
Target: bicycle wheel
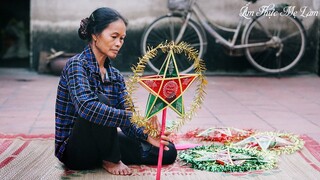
(166, 28)
(284, 38)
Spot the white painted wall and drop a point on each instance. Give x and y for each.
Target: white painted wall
(62, 17)
(67, 14)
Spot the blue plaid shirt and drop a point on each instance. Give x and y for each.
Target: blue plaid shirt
(79, 84)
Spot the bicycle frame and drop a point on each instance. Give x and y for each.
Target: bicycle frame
(203, 20)
(271, 44)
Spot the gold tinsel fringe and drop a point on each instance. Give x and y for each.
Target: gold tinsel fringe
(138, 70)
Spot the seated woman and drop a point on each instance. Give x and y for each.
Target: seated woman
(90, 106)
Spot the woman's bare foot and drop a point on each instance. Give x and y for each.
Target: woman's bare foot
(117, 168)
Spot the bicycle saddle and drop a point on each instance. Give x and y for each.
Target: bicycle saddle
(252, 1)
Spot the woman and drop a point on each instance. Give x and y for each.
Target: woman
(90, 106)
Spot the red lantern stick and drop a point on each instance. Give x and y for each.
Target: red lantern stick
(163, 127)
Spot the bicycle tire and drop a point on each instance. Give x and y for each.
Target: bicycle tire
(289, 36)
(166, 28)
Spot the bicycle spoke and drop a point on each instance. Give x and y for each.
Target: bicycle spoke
(153, 41)
(266, 31)
(279, 25)
(171, 30)
(195, 44)
(292, 35)
(265, 59)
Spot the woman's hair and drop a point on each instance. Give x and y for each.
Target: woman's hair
(98, 21)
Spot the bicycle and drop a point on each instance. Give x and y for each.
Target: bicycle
(272, 44)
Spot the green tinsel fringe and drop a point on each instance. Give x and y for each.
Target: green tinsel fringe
(260, 161)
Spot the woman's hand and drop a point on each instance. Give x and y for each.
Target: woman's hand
(163, 140)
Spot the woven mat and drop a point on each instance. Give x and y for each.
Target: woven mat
(31, 157)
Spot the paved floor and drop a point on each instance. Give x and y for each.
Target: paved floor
(287, 104)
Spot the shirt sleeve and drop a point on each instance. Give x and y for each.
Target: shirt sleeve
(86, 102)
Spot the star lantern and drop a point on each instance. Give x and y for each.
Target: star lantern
(217, 158)
(280, 143)
(166, 88)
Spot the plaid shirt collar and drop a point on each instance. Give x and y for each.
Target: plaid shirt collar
(94, 67)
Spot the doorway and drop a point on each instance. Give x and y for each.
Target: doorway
(14, 33)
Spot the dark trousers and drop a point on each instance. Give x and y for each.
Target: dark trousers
(89, 144)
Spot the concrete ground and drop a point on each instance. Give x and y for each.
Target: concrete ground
(286, 104)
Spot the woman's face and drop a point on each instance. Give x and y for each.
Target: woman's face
(111, 39)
